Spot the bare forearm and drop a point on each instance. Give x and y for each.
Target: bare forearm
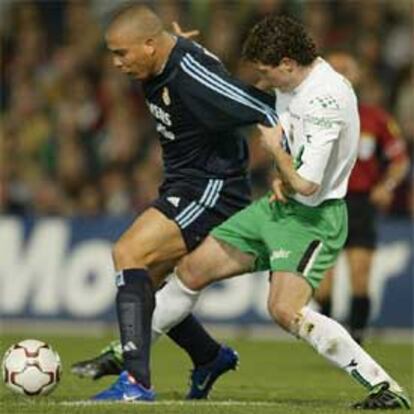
(271, 139)
(290, 175)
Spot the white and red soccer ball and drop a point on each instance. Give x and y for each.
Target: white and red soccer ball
(31, 368)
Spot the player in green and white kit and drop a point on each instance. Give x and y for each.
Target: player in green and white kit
(299, 229)
(305, 232)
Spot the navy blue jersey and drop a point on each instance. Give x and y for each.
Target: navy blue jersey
(199, 110)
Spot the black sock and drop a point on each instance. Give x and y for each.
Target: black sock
(360, 309)
(195, 340)
(135, 305)
(326, 307)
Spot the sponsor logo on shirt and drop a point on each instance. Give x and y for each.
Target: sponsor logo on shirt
(160, 114)
(320, 121)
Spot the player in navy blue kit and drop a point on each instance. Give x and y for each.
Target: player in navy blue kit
(199, 110)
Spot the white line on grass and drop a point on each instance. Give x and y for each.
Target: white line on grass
(178, 403)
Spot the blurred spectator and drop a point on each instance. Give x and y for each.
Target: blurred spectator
(405, 104)
(76, 137)
(404, 198)
(115, 191)
(224, 38)
(47, 198)
(317, 18)
(90, 201)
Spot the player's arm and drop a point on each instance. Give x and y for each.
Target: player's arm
(219, 101)
(321, 127)
(395, 153)
(289, 177)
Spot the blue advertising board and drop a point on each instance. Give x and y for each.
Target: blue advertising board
(55, 268)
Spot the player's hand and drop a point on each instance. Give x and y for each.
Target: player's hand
(271, 138)
(381, 197)
(280, 191)
(187, 35)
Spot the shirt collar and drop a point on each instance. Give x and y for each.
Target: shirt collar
(317, 66)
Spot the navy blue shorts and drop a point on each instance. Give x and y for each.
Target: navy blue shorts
(197, 207)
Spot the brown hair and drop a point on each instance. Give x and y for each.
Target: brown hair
(276, 37)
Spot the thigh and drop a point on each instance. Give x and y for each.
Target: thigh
(289, 288)
(151, 239)
(243, 232)
(213, 260)
(306, 240)
(325, 288)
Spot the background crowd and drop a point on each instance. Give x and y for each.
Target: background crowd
(75, 135)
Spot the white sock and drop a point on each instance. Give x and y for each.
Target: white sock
(174, 302)
(332, 341)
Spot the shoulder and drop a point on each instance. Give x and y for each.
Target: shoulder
(330, 93)
(195, 58)
(188, 46)
(330, 82)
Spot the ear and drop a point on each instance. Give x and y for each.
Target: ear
(288, 64)
(149, 46)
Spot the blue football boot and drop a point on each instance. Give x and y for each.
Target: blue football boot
(203, 377)
(125, 389)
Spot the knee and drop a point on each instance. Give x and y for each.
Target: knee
(282, 313)
(126, 255)
(187, 273)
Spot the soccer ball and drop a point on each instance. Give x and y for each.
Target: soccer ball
(31, 367)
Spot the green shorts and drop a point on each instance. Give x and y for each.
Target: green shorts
(289, 237)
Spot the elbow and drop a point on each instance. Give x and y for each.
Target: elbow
(308, 189)
(304, 186)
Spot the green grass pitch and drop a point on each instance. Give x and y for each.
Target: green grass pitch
(274, 377)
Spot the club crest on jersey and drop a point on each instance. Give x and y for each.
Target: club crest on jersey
(166, 96)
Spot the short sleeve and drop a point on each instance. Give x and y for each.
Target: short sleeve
(322, 123)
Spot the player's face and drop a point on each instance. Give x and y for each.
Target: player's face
(134, 57)
(280, 76)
